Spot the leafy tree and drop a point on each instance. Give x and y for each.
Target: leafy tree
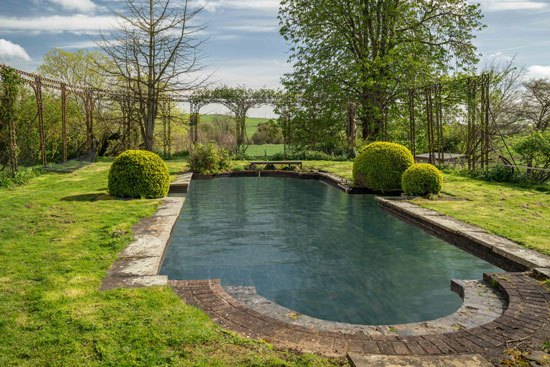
(267, 133)
(9, 98)
(534, 150)
(368, 51)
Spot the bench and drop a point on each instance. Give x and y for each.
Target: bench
(284, 163)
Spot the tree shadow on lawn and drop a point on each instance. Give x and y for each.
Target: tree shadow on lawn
(98, 196)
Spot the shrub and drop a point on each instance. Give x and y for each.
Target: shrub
(206, 159)
(238, 169)
(379, 166)
(139, 174)
(307, 155)
(268, 133)
(22, 177)
(422, 179)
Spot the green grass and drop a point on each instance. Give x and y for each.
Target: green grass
(262, 150)
(58, 236)
(251, 123)
(519, 214)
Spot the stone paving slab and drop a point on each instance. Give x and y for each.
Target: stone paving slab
(518, 256)
(377, 360)
(527, 311)
(139, 263)
(544, 272)
(181, 184)
(134, 282)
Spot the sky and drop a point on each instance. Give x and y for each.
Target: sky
(244, 46)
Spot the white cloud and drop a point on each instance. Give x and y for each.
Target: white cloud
(264, 5)
(78, 23)
(80, 5)
(254, 72)
(538, 72)
(10, 51)
(252, 28)
(503, 5)
(82, 44)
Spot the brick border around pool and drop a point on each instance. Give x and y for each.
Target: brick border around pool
(525, 315)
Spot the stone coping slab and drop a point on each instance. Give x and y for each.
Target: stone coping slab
(181, 184)
(526, 313)
(481, 305)
(377, 360)
(139, 263)
(495, 249)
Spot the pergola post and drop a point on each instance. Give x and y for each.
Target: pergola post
(412, 132)
(37, 86)
(64, 119)
(351, 127)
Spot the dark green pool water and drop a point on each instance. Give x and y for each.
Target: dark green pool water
(316, 250)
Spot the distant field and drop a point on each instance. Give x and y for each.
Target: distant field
(262, 150)
(251, 123)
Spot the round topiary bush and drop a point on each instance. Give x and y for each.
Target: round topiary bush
(422, 179)
(379, 166)
(139, 174)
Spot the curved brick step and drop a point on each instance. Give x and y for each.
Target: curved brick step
(481, 305)
(527, 312)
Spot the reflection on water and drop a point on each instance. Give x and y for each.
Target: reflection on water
(316, 250)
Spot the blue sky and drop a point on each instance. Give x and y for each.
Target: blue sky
(244, 45)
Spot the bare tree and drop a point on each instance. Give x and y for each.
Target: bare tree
(506, 95)
(535, 107)
(155, 50)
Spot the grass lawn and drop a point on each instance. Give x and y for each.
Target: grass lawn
(261, 150)
(519, 214)
(251, 123)
(58, 236)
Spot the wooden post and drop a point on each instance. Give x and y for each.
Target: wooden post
(487, 111)
(429, 118)
(412, 132)
(64, 119)
(38, 93)
(169, 129)
(439, 123)
(164, 128)
(351, 127)
(13, 145)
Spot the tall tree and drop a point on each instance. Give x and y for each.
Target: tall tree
(535, 107)
(155, 48)
(367, 51)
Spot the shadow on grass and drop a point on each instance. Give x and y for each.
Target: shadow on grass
(88, 197)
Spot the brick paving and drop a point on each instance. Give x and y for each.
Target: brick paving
(527, 311)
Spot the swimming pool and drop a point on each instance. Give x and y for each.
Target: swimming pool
(316, 250)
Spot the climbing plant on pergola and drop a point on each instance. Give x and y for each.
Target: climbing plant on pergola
(238, 100)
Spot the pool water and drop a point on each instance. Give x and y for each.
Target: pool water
(316, 250)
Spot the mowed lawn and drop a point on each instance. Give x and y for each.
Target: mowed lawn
(519, 214)
(58, 236)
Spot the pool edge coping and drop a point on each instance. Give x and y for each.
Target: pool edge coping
(497, 250)
(139, 263)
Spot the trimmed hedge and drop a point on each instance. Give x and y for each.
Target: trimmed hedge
(379, 166)
(139, 174)
(422, 179)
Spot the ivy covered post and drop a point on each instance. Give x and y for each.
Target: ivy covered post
(11, 83)
(64, 119)
(37, 87)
